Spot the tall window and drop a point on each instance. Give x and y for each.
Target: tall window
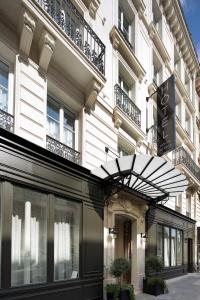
(170, 245)
(66, 239)
(123, 24)
(166, 247)
(60, 123)
(188, 205)
(173, 247)
(179, 248)
(29, 237)
(4, 70)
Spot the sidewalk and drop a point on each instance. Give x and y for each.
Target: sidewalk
(185, 287)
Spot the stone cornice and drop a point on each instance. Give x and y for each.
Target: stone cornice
(154, 35)
(178, 26)
(121, 45)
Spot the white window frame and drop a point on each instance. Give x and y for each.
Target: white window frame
(62, 108)
(10, 84)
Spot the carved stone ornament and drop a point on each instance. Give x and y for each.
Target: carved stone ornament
(93, 7)
(47, 46)
(93, 90)
(27, 31)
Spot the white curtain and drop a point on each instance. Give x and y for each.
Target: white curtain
(62, 250)
(25, 248)
(166, 247)
(173, 252)
(53, 128)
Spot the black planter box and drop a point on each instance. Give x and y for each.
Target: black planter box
(110, 296)
(152, 290)
(123, 295)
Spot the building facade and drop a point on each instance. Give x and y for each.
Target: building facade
(78, 79)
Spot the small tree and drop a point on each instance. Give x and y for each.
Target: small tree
(119, 267)
(154, 263)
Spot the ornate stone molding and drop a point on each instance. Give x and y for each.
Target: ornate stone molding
(47, 45)
(91, 95)
(93, 7)
(27, 31)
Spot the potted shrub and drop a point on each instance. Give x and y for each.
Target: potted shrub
(119, 291)
(154, 285)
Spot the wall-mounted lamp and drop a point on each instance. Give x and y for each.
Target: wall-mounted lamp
(113, 233)
(143, 235)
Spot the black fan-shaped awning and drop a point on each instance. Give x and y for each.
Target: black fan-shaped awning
(152, 178)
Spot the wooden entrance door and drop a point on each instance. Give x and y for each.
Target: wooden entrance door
(127, 247)
(190, 255)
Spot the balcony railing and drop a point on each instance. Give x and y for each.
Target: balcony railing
(62, 150)
(65, 14)
(181, 156)
(126, 104)
(6, 121)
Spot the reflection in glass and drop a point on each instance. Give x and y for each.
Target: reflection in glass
(166, 247)
(159, 241)
(173, 247)
(29, 237)
(3, 86)
(66, 239)
(179, 247)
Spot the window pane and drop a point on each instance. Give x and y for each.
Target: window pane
(179, 247)
(159, 242)
(66, 239)
(53, 121)
(166, 247)
(3, 86)
(173, 247)
(29, 237)
(69, 133)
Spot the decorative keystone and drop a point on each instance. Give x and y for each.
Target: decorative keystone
(28, 27)
(47, 45)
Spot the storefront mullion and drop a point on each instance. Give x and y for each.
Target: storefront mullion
(6, 233)
(50, 238)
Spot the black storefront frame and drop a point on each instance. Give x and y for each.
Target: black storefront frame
(170, 227)
(6, 202)
(89, 192)
(162, 215)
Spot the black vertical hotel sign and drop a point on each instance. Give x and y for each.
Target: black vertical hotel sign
(166, 127)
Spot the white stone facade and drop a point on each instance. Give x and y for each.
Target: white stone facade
(155, 44)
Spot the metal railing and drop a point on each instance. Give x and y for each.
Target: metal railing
(126, 104)
(6, 121)
(62, 150)
(181, 156)
(65, 14)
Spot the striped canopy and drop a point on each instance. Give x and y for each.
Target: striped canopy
(152, 178)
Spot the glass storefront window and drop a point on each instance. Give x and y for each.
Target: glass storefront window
(179, 248)
(166, 247)
(29, 237)
(66, 239)
(173, 247)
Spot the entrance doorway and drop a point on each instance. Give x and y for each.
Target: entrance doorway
(123, 242)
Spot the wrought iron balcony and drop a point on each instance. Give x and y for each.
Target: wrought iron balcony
(181, 156)
(126, 104)
(65, 14)
(62, 150)
(6, 121)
